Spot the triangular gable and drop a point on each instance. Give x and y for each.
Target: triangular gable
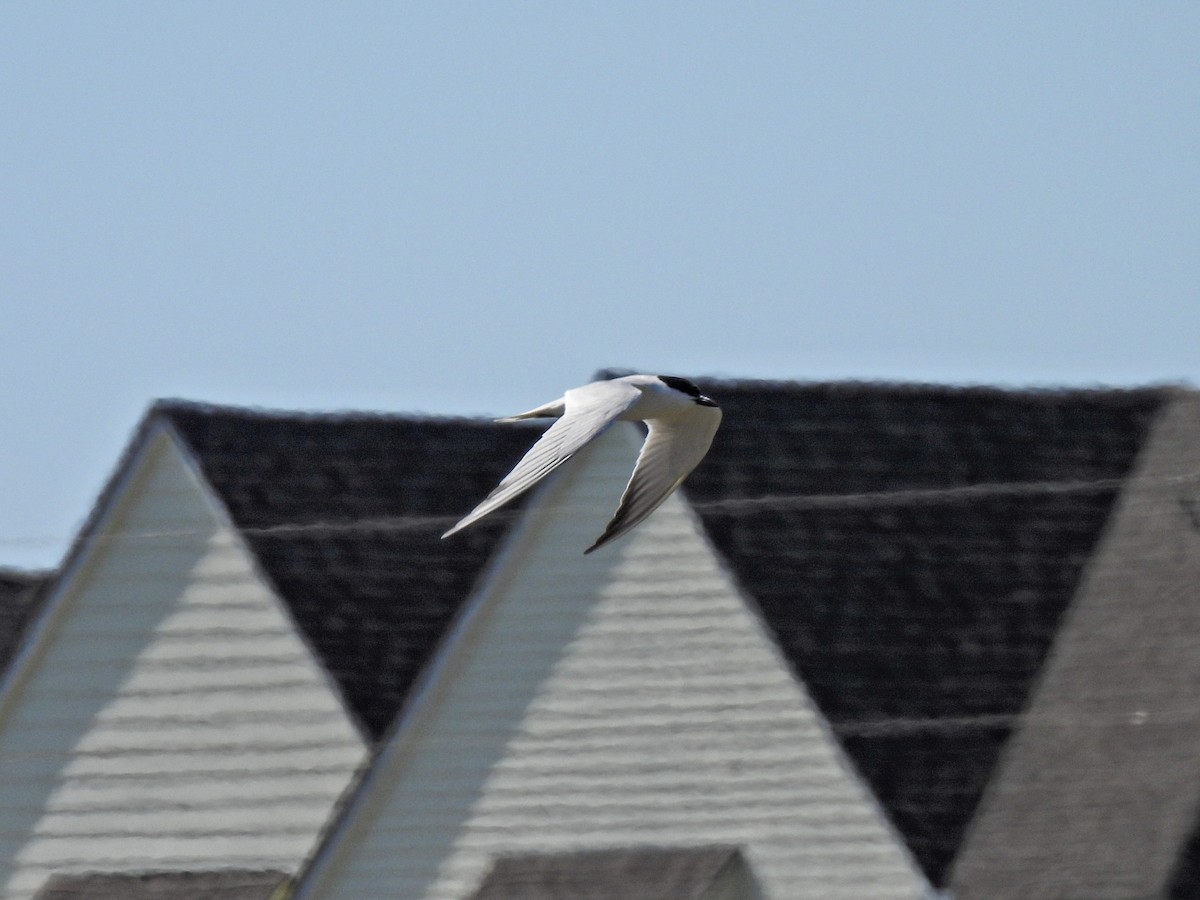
(1098, 793)
(922, 547)
(895, 614)
(777, 439)
(343, 512)
(163, 712)
(623, 698)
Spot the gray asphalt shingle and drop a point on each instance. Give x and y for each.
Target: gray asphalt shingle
(918, 624)
(226, 884)
(648, 873)
(373, 601)
(21, 594)
(897, 611)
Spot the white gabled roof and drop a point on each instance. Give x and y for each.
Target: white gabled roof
(165, 714)
(625, 698)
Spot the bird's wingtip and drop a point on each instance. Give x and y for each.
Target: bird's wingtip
(600, 542)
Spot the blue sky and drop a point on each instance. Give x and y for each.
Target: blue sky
(466, 208)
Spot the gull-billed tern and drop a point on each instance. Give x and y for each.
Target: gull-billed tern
(681, 422)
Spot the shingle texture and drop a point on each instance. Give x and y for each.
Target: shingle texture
(230, 884)
(917, 624)
(940, 609)
(20, 594)
(642, 873)
(372, 601)
(1185, 880)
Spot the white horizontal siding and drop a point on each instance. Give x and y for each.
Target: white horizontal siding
(171, 716)
(623, 698)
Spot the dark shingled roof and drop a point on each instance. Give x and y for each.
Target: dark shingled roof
(226, 884)
(677, 873)
(1185, 880)
(940, 608)
(906, 611)
(21, 593)
(373, 602)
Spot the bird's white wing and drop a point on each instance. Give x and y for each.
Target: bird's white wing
(673, 448)
(589, 410)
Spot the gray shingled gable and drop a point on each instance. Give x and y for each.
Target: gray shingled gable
(228, 884)
(895, 613)
(373, 601)
(645, 873)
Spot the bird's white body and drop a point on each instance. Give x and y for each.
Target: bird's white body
(681, 423)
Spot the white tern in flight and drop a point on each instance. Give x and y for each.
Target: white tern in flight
(681, 423)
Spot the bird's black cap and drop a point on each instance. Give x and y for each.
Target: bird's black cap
(687, 387)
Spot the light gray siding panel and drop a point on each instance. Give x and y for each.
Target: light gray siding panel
(171, 717)
(624, 698)
(1097, 792)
